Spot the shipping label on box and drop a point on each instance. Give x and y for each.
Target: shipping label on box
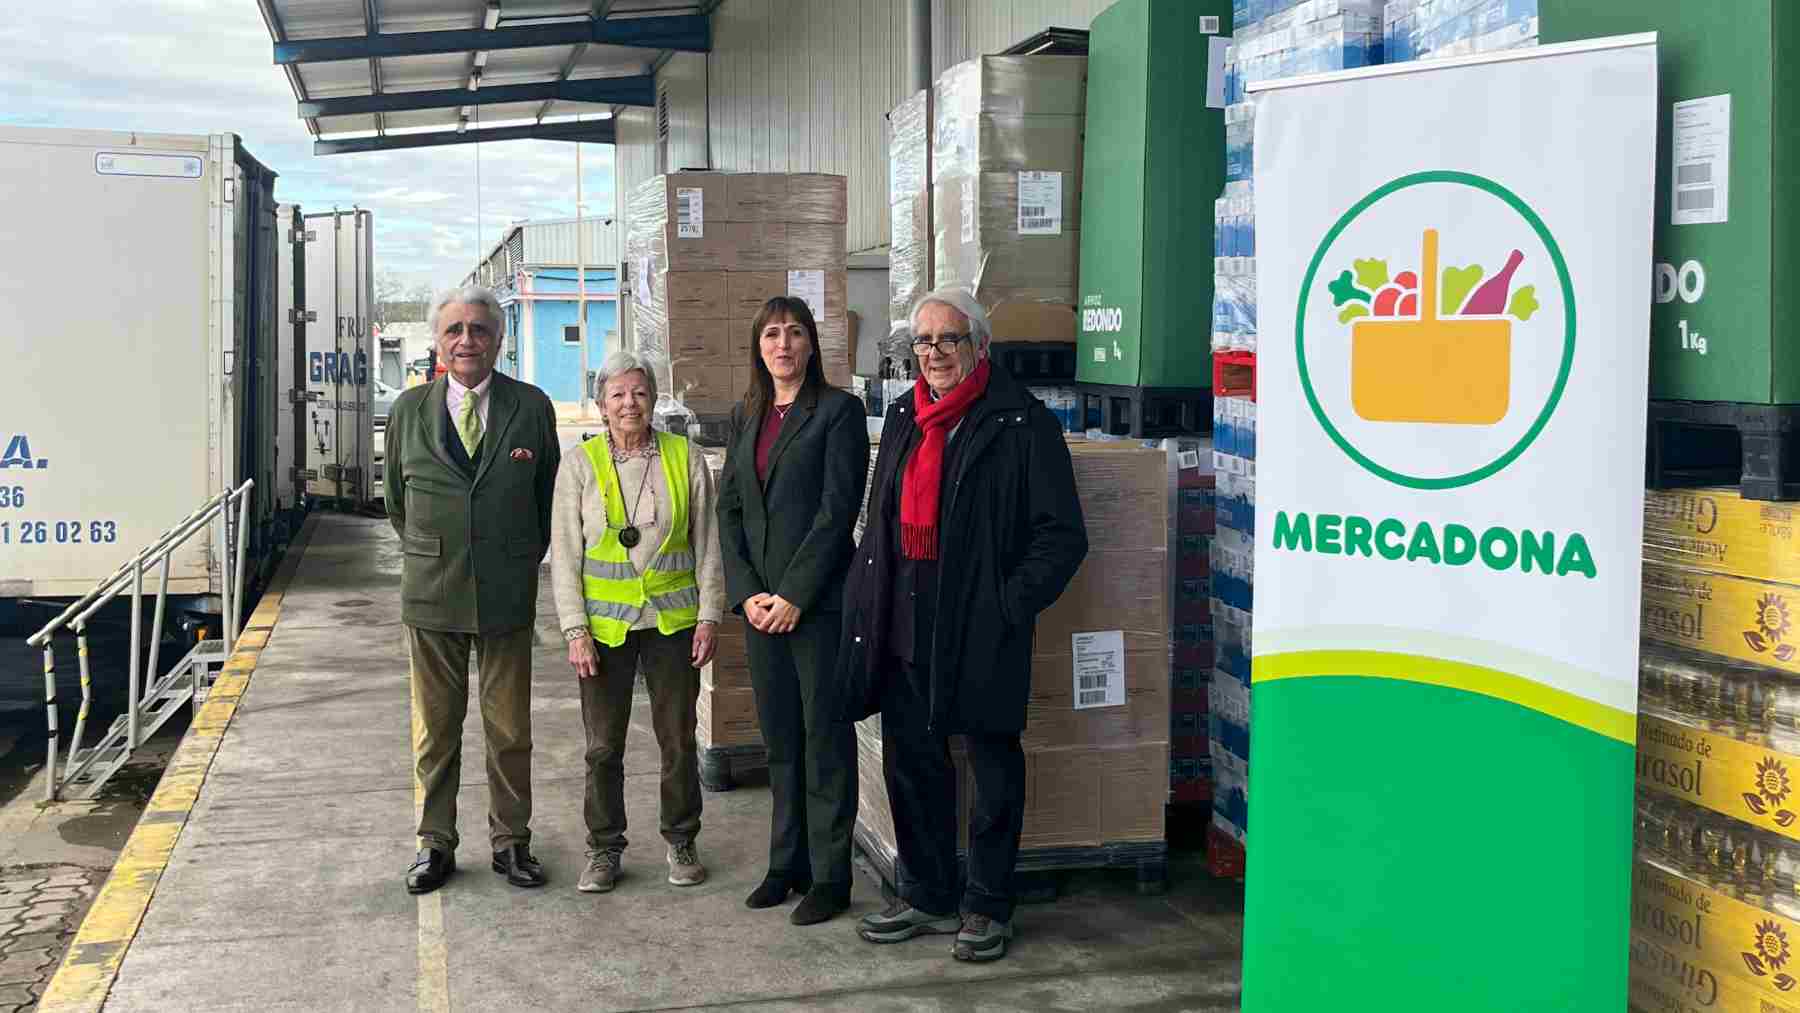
(808, 286)
(1099, 669)
(690, 213)
(1040, 203)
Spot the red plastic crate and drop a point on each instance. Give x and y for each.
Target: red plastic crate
(1234, 374)
(1224, 856)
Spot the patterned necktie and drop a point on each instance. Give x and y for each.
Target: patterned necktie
(469, 426)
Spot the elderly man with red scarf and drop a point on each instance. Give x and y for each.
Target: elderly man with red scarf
(974, 528)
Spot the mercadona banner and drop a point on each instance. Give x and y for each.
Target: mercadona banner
(1454, 300)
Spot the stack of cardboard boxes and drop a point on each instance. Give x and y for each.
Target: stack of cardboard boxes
(730, 737)
(1233, 579)
(1716, 883)
(1191, 521)
(909, 256)
(1005, 161)
(706, 250)
(1097, 734)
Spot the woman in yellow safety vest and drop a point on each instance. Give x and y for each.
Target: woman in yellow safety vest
(638, 584)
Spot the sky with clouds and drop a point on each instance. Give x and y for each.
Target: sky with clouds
(207, 66)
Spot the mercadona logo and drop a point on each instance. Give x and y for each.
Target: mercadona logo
(1435, 330)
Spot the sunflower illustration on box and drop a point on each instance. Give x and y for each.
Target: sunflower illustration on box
(1431, 347)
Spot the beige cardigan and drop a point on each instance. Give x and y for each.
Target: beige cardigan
(578, 521)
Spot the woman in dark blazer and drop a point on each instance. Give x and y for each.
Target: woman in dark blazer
(788, 501)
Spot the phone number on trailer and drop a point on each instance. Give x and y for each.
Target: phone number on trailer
(58, 532)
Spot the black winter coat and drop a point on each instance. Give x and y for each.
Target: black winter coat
(1011, 537)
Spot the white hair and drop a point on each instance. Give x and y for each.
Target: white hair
(621, 362)
(962, 301)
(471, 295)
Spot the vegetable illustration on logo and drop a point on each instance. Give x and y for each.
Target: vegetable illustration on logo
(1772, 624)
(1427, 347)
(1772, 788)
(1768, 952)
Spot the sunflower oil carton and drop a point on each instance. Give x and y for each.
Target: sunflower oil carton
(1719, 531)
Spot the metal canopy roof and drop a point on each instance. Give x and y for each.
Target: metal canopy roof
(374, 75)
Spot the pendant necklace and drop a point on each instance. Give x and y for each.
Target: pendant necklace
(781, 410)
(629, 536)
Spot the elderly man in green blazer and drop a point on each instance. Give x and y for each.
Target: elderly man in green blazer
(471, 466)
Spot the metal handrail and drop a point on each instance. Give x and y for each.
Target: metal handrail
(232, 548)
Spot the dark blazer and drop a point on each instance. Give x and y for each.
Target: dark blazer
(473, 534)
(1010, 538)
(792, 536)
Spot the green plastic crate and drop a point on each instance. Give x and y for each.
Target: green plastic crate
(1723, 326)
(1153, 164)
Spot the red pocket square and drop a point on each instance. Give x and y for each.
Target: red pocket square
(521, 454)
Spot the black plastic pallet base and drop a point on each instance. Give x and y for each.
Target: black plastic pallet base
(723, 768)
(1704, 443)
(1147, 412)
(1036, 363)
(1035, 879)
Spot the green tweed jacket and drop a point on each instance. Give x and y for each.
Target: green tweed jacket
(473, 535)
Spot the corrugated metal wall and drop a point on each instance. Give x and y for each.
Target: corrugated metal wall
(805, 86)
(554, 242)
(961, 29)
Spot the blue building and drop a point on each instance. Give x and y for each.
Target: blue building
(533, 271)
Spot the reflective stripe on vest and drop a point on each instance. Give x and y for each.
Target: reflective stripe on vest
(616, 592)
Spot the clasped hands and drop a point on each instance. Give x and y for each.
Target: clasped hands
(771, 613)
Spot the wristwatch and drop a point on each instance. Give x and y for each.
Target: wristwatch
(575, 633)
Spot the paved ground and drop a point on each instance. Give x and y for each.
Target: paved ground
(283, 889)
(40, 907)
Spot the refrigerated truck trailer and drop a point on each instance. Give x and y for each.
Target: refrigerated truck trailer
(144, 382)
(341, 362)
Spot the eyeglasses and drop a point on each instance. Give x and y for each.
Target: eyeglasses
(945, 343)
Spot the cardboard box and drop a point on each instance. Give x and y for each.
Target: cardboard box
(710, 389)
(756, 197)
(751, 290)
(670, 199)
(758, 246)
(695, 295)
(1728, 617)
(1719, 531)
(730, 667)
(820, 247)
(817, 199)
(727, 717)
(1052, 721)
(699, 343)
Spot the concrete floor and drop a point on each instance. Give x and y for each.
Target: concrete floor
(285, 892)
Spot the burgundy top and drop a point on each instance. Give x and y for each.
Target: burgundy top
(765, 442)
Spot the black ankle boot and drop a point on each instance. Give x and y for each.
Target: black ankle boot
(823, 902)
(773, 890)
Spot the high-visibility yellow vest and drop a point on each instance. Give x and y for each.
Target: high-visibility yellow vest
(616, 592)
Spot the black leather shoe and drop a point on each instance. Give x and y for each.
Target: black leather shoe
(822, 903)
(774, 889)
(430, 870)
(519, 868)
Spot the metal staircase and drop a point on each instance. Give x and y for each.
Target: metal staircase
(150, 706)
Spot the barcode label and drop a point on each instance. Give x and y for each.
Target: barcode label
(690, 213)
(1700, 161)
(1187, 460)
(1694, 200)
(1040, 203)
(1099, 669)
(1209, 24)
(1687, 175)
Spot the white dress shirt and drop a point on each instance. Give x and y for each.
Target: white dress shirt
(458, 392)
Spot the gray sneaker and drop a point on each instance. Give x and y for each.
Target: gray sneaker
(602, 872)
(981, 938)
(901, 921)
(684, 865)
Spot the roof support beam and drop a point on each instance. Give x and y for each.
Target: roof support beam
(600, 9)
(587, 132)
(372, 28)
(687, 33)
(628, 91)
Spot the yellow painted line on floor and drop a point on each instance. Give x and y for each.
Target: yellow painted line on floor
(433, 988)
(92, 961)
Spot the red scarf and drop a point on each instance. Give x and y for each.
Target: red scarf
(924, 477)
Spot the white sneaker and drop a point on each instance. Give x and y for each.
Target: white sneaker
(684, 866)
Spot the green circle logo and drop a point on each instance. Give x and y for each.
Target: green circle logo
(1433, 346)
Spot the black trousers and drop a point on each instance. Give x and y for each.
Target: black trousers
(922, 792)
(812, 757)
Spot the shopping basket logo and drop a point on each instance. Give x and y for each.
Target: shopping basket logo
(1435, 329)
